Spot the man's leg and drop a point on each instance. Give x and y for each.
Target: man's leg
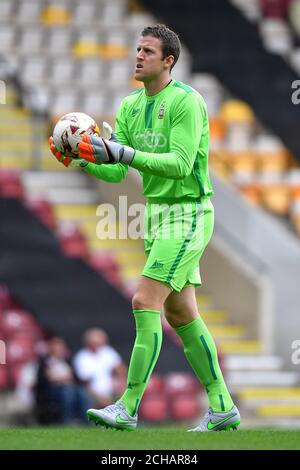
(147, 304)
(181, 312)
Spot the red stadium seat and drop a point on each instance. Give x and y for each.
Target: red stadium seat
(75, 248)
(275, 8)
(18, 320)
(182, 390)
(21, 350)
(3, 377)
(185, 406)
(43, 210)
(106, 264)
(154, 407)
(5, 298)
(10, 184)
(155, 385)
(72, 241)
(178, 383)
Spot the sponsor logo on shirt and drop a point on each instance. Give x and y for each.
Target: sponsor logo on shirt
(151, 140)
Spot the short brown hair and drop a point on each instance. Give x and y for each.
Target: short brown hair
(169, 40)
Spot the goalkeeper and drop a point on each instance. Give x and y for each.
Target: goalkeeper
(162, 131)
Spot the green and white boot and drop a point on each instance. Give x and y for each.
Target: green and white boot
(219, 421)
(113, 416)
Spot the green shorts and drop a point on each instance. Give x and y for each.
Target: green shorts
(175, 238)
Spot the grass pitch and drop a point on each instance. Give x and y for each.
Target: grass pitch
(159, 438)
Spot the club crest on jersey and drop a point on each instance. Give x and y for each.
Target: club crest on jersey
(161, 111)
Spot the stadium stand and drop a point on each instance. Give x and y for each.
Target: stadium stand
(66, 57)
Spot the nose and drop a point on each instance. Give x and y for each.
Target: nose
(139, 55)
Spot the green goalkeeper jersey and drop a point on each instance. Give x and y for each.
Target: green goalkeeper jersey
(170, 132)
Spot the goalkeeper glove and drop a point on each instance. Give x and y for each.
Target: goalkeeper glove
(97, 150)
(79, 162)
(66, 161)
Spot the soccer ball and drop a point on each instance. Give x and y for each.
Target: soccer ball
(69, 130)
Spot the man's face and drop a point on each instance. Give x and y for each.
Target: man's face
(149, 61)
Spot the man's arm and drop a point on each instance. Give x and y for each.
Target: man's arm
(109, 173)
(185, 136)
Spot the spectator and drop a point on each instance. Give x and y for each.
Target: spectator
(59, 396)
(100, 367)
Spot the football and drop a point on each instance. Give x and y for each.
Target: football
(69, 130)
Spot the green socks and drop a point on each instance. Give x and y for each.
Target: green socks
(201, 352)
(143, 358)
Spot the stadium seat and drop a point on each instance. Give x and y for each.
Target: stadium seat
(31, 41)
(72, 241)
(249, 186)
(85, 12)
(59, 42)
(5, 297)
(94, 102)
(90, 73)
(64, 101)
(274, 8)
(28, 11)
(34, 71)
(184, 407)
(43, 210)
(62, 71)
(7, 38)
(21, 350)
(295, 215)
(113, 11)
(10, 184)
(17, 320)
(275, 194)
(75, 248)
(154, 407)
(155, 385)
(178, 383)
(295, 59)
(56, 15)
(210, 89)
(276, 36)
(106, 264)
(276, 161)
(182, 390)
(6, 10)
(3, 377)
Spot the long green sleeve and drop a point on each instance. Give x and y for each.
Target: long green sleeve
(109, 173)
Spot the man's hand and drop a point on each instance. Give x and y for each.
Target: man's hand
(97, 150)
(66, 161)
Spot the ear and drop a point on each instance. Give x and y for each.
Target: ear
(169, 61)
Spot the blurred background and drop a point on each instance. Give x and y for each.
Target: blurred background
(58, 279)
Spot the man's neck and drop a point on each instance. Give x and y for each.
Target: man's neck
(155, 86)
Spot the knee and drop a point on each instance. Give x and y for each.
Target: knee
(141, 301)
(171, 318)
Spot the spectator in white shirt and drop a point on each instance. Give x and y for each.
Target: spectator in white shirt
(100, 368)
